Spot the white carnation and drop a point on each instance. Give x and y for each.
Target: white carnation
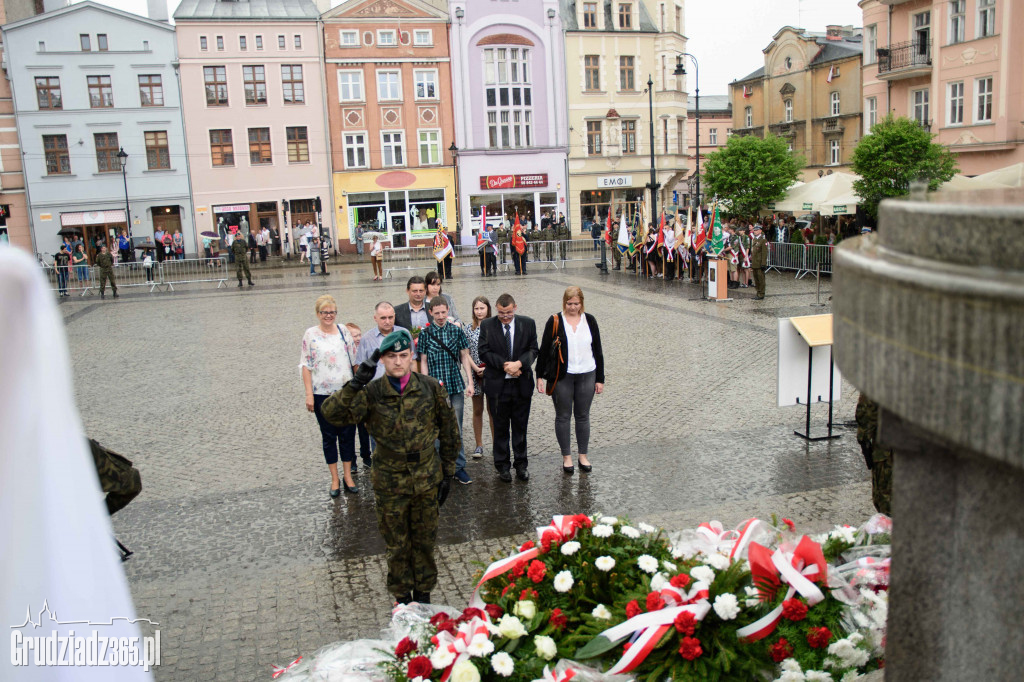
(703, 574)
(817, 676)
(503, 664)
(647, 563)
(727, 606)
(563, 581)
(852, 676)
(604, 563)
(464, 671)
(791, 676)
(790, 665)
(480, 645)
(658, 582)
(751, 603)
(509, 627)
(856, 638)
(441, 658)
(602, 531)
(844, 533)
(525, 609)
(630, 532)
(570, 548)
(610, 520)
(646, 527)
(669, 566)
(718, 562)
(545, 647)
(601, 611)
(677, 553)
(849, 655)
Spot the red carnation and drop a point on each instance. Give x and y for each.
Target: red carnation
(655, 602)
(780, 651)
(470, 613)
(819, 638)
(420, 667)
(537, 570)
(680, 582)
(405, 647)
(685, 623)
(633, 609)
(789, 522)
(494, 611)
(526, 545)
(794, 609)
(519, 569)
(689, 648)
(447, 626)
(508, 587)
(583, 521)
(557, 620)
(527, 594)
(439, 618)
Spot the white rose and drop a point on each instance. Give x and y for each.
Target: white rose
(502, 664)
(703, 574)
(658, 582)
(604, 563)
(509, 627)
(669, 566)
(630, 532)
(441, 658)
(647, 563)
(601, 611)
(602, 531)
(464, 671)
(790, 665)
(570, 548)
(545, 647)
(610, 520)
(727, 606)
(480, 645)
(563, 581)
(647, 528)
(525, 609)
(718, 562)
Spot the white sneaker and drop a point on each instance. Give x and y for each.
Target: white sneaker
(478, 453)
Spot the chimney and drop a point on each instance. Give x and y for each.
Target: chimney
(157, 10)
(833, 32)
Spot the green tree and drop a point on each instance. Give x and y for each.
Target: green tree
(749, 172)
(897, 152)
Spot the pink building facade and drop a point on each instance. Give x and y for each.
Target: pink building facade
(954, 67)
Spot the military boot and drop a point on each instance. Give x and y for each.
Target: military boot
(421, 597)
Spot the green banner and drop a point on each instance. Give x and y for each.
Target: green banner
(808, 206)
(839, 209)
(716, 243)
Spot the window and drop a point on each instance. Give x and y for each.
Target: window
(221, 151)
(298, 144)
(83, 39)
(983, 89)
(158, 154)
(871, 44)
(259, 42)
(787, 107)
(679, 20)
(48, 92)
(956, 103)
(106, 152)
(348, 38)
(957, 20)
(280, 43)
(590, 15)
(594, 138)
(151, 91)
(680, 135)
(626, 74)
(426, 84)
(508, 97)
(430, 147)
(100, 93)
(350, 86)
(298, 41)
(664, 135)
(919, 98)
(392, 151)
(423, 37)
(389, 86)
(592, 72)
(101, 42)
(58, 162)
(713, 136)
(259, 146)
(255, 81)
(662, 29)
(834, 153)
(355, 150)
(242, 44)
(748, 117)
(216, 80)
(625, 15)
(629, 137)
(220, 42)
(291, 84)
(870, 114)
(986, 18)
(388, 38)
(834, 102)
(922, 34)
(202, 43)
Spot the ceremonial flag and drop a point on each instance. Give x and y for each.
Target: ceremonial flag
(517, 236)
(717, 242)
(747, 91)
(744, 254)
(608, 225)
(481, 241)
(701, 236)
(831, 74)
(622, 242)
(684, 247)
(442, 245)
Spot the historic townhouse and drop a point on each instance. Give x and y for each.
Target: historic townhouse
(715, 129)
(954, 67)
(389, 95)
(92, 84)
(252, 91)
(613, 47)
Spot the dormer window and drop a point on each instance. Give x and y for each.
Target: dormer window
(590, 15)
(625, 15)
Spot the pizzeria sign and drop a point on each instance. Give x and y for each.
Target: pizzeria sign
(511, 181)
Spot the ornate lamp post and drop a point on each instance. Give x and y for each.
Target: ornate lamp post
(681, 71)
(122, 158)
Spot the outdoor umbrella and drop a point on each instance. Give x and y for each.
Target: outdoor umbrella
(68, 231)
(209, 234)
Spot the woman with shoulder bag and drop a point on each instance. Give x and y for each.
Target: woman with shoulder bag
(572, 363)
(377, 259)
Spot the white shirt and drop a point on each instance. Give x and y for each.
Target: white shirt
(581, 354)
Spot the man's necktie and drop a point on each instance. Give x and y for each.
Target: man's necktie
(508, 343)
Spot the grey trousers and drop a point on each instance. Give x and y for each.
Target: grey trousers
(573, 395)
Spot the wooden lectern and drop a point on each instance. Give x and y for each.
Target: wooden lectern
(718, 279)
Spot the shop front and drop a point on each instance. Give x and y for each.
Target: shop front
(97, 228)
(597, 193)
(507, 185)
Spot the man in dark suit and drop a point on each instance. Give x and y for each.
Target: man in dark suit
(414, 313)
(508, 348)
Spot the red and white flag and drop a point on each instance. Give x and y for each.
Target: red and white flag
(831, 74)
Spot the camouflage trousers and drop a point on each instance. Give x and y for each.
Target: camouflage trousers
(408, 524)
(118, 478)
(877, 459)
(240, 265)
(107, 274)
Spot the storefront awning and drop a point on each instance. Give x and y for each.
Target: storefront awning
(91, 218)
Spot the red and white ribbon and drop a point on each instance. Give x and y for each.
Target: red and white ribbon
(553, 676)
(651, 627)
(733, 541)
(458, 643)
(278, 670)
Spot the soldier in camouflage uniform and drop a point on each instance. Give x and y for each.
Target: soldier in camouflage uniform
(562, 235)
(502, 235)
(239, 248)
(405, 412)
(548, 235)
(118, 478)
(106, 263)
(878, 460)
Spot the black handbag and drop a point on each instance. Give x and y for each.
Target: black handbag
(554, 358)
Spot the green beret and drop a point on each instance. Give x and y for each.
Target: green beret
(396, 342)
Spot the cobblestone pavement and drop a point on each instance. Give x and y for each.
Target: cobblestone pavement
(245, 561)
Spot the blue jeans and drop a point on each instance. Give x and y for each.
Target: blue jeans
(335, 438)
(458, 402)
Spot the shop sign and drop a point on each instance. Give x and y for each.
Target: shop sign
(511, 181)
(839, 209)
(46, 216)
(615, 181)
(232, 208)
(808, 206)
(771, 206)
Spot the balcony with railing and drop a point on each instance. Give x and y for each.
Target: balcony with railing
(905, 60)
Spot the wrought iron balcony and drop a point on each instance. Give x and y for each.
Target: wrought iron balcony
(833, 125)
(905, 60)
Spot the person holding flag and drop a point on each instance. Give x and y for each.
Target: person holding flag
(518, 247)
(443, 252)
(669, 244)
(622, 241)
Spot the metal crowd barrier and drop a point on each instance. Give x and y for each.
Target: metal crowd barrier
(134, 274)
(804, 258)
(552, 254)
(193, 270)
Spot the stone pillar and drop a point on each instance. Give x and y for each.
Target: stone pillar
(929, 322)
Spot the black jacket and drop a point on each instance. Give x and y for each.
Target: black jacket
(547, 366)
(493, 355)
(403, 315)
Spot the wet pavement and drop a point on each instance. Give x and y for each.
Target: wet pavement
(245, 560)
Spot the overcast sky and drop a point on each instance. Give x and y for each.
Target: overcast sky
(726, 36)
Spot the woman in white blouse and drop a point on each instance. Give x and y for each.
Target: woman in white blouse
(328, 354)
(572, 359)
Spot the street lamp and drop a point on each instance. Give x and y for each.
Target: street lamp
(681, 71)
(122, 158)
(653, 184)
(458, 209)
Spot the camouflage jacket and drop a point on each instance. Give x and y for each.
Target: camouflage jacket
(562, 232)
(759, 253)
(105, 261)
(402, 424)
(239, 248)
(501, 234)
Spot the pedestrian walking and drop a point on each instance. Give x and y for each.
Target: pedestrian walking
(327, 361)
(481, 311)
(239, 248)
(759, 260)
(570, 366)
(411, 477)
(106, 263)
(62, 268)
(303, 244)
(377, 259)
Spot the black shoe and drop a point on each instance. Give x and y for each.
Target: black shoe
(115, 294)
(103, 295)
(368, 463)
(586, 468)
(239, 284)
(335, 492)
(522, 474)
(350, 489)
(758, 298)
(355, 469)
(505, 476)
(403, 599)
(251, 283)
(421, 597)
(569, 470)
(617, 267)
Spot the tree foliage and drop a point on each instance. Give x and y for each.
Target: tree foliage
(897, 152)
(749, 172)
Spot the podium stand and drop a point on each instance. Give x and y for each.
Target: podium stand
(805, 348)
(718, 279)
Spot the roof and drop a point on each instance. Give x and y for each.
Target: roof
(713, 103)
(832, 50)
(567, 8)
(228, 10)
(756, 75)
(87, 5)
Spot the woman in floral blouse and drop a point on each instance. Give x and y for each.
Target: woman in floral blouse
(481, 311)
(328, 354)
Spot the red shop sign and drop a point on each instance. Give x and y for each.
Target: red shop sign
(510, 181)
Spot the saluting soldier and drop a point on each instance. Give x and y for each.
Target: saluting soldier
(759, 259)
(106, 263)
(239, 248)
(405, 412)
